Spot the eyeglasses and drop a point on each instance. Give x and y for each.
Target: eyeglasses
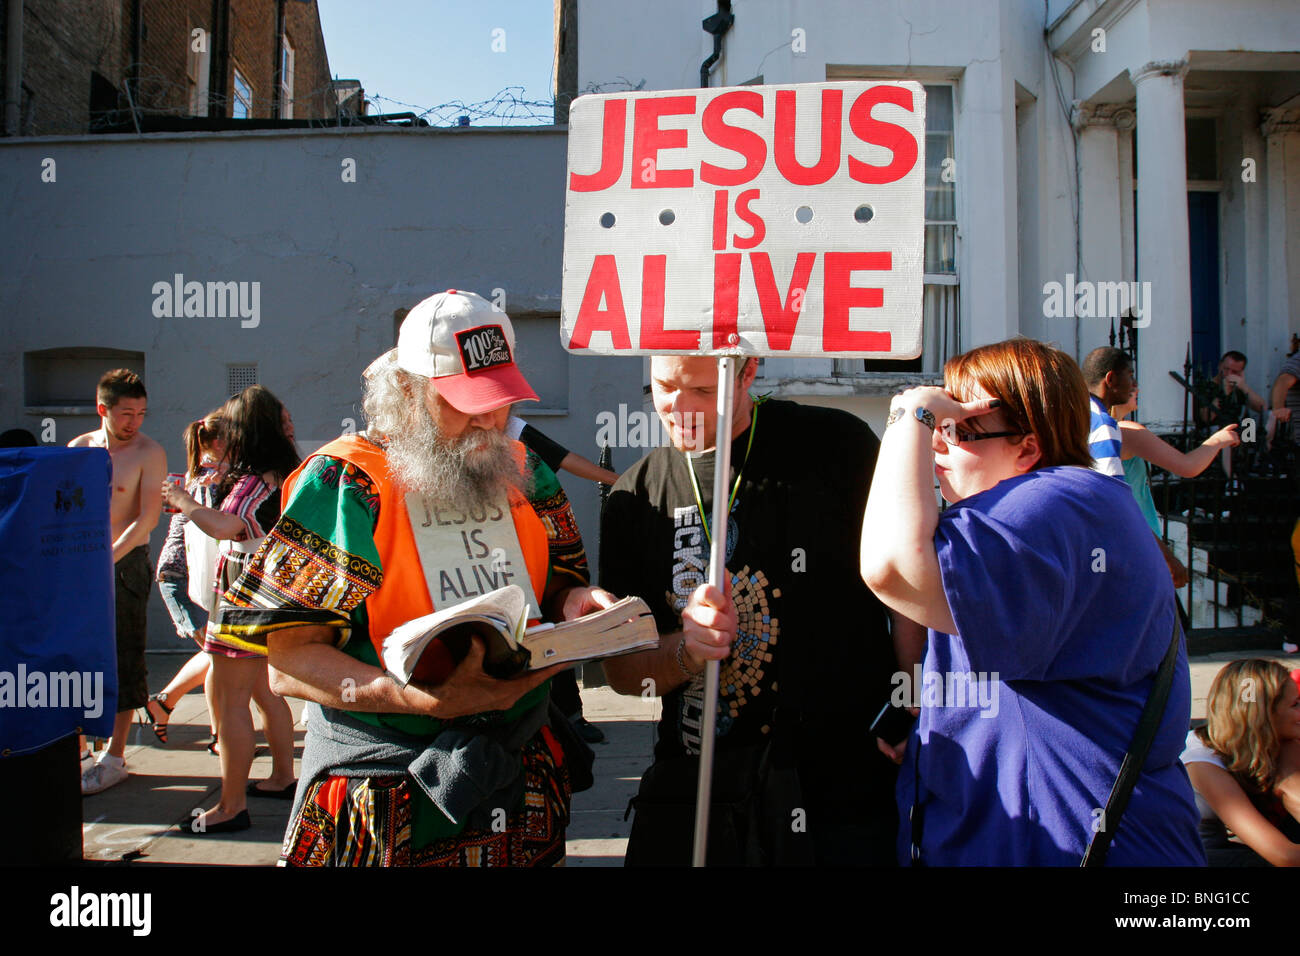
(961, 435)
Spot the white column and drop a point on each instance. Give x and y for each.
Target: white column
(986, 205)
(1100, 248)
(1282, 134)
(1162, 254)
(1124, 123)
(1262, 348)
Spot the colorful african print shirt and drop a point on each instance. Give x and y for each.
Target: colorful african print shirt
(319, 563)
(317, 566)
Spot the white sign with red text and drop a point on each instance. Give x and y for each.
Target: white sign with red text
(757, 220)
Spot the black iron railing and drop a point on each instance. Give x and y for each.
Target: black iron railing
(1237, 523)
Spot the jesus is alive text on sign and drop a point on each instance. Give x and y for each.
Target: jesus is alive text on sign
(758, 220)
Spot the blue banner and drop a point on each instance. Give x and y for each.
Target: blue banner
(58, 659)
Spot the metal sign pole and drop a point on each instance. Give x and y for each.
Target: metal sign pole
(717, 578)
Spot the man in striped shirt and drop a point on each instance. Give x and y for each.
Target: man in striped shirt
(1109, 374)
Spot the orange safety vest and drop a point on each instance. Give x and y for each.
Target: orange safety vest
(404, 594)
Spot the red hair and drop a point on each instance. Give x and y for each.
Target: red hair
(1042, 393)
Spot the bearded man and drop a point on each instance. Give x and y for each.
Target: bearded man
(429, 507)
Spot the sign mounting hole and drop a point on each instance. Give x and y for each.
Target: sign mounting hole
(864, 213)
(607, 220)
(667, 217)
(803, 214)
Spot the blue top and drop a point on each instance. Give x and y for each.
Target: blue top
(1064, 605)
(1138, 476)
(1104, 440)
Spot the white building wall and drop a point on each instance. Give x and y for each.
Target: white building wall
(1257, 26)
(1022, 194)
(1138, 33)
(1283, 249)
(1241, 233)
(985, 47)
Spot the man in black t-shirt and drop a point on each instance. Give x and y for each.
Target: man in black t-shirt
(805, 648)
(1226, 398)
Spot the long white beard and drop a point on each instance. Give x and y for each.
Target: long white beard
(466, 473)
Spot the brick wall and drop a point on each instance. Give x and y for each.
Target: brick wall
(565, 61)
(252, 52)
(313, 97)
(64, 43)
(164, 51)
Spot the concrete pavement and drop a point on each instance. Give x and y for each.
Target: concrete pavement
(136, 820)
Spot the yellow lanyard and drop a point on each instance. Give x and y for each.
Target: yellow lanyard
(695, 484)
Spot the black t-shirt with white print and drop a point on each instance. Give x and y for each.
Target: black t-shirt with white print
(812, 642)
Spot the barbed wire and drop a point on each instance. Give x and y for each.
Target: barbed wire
(150, 94)
(508, 105)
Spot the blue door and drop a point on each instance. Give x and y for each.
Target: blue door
(1203, 239)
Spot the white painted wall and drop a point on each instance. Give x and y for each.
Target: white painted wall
(1168, 29)
(1018, 196)
(986, 46)
(478, 209)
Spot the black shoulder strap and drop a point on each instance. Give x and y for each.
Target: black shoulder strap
(1131, 767)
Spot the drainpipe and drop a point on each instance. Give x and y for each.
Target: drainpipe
(13, 66)
(717, 25)
(214, 61)
(219, 72)
(137, 50)
(277, 78)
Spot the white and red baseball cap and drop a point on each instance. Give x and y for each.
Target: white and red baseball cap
(466, 345)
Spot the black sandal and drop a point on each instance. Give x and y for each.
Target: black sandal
(212, 746)
(235, 824)
(159, 730)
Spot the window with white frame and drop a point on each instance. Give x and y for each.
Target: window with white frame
(940, 296)
(198, 62)
(242, 106)
(286, 80)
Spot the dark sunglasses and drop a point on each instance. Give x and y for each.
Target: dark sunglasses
(966, 436)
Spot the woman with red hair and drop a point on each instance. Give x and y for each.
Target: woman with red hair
(1049, 610)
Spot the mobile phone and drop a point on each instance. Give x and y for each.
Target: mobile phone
(892, 724)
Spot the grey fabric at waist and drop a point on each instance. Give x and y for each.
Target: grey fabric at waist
(465, 773)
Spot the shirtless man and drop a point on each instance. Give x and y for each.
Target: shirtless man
(139, 466)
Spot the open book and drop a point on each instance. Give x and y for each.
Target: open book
(428, 648)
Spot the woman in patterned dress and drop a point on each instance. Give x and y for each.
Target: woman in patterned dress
(260, 451)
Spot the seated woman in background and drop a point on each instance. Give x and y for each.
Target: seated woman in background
(1046, 597)
(1245, 766)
